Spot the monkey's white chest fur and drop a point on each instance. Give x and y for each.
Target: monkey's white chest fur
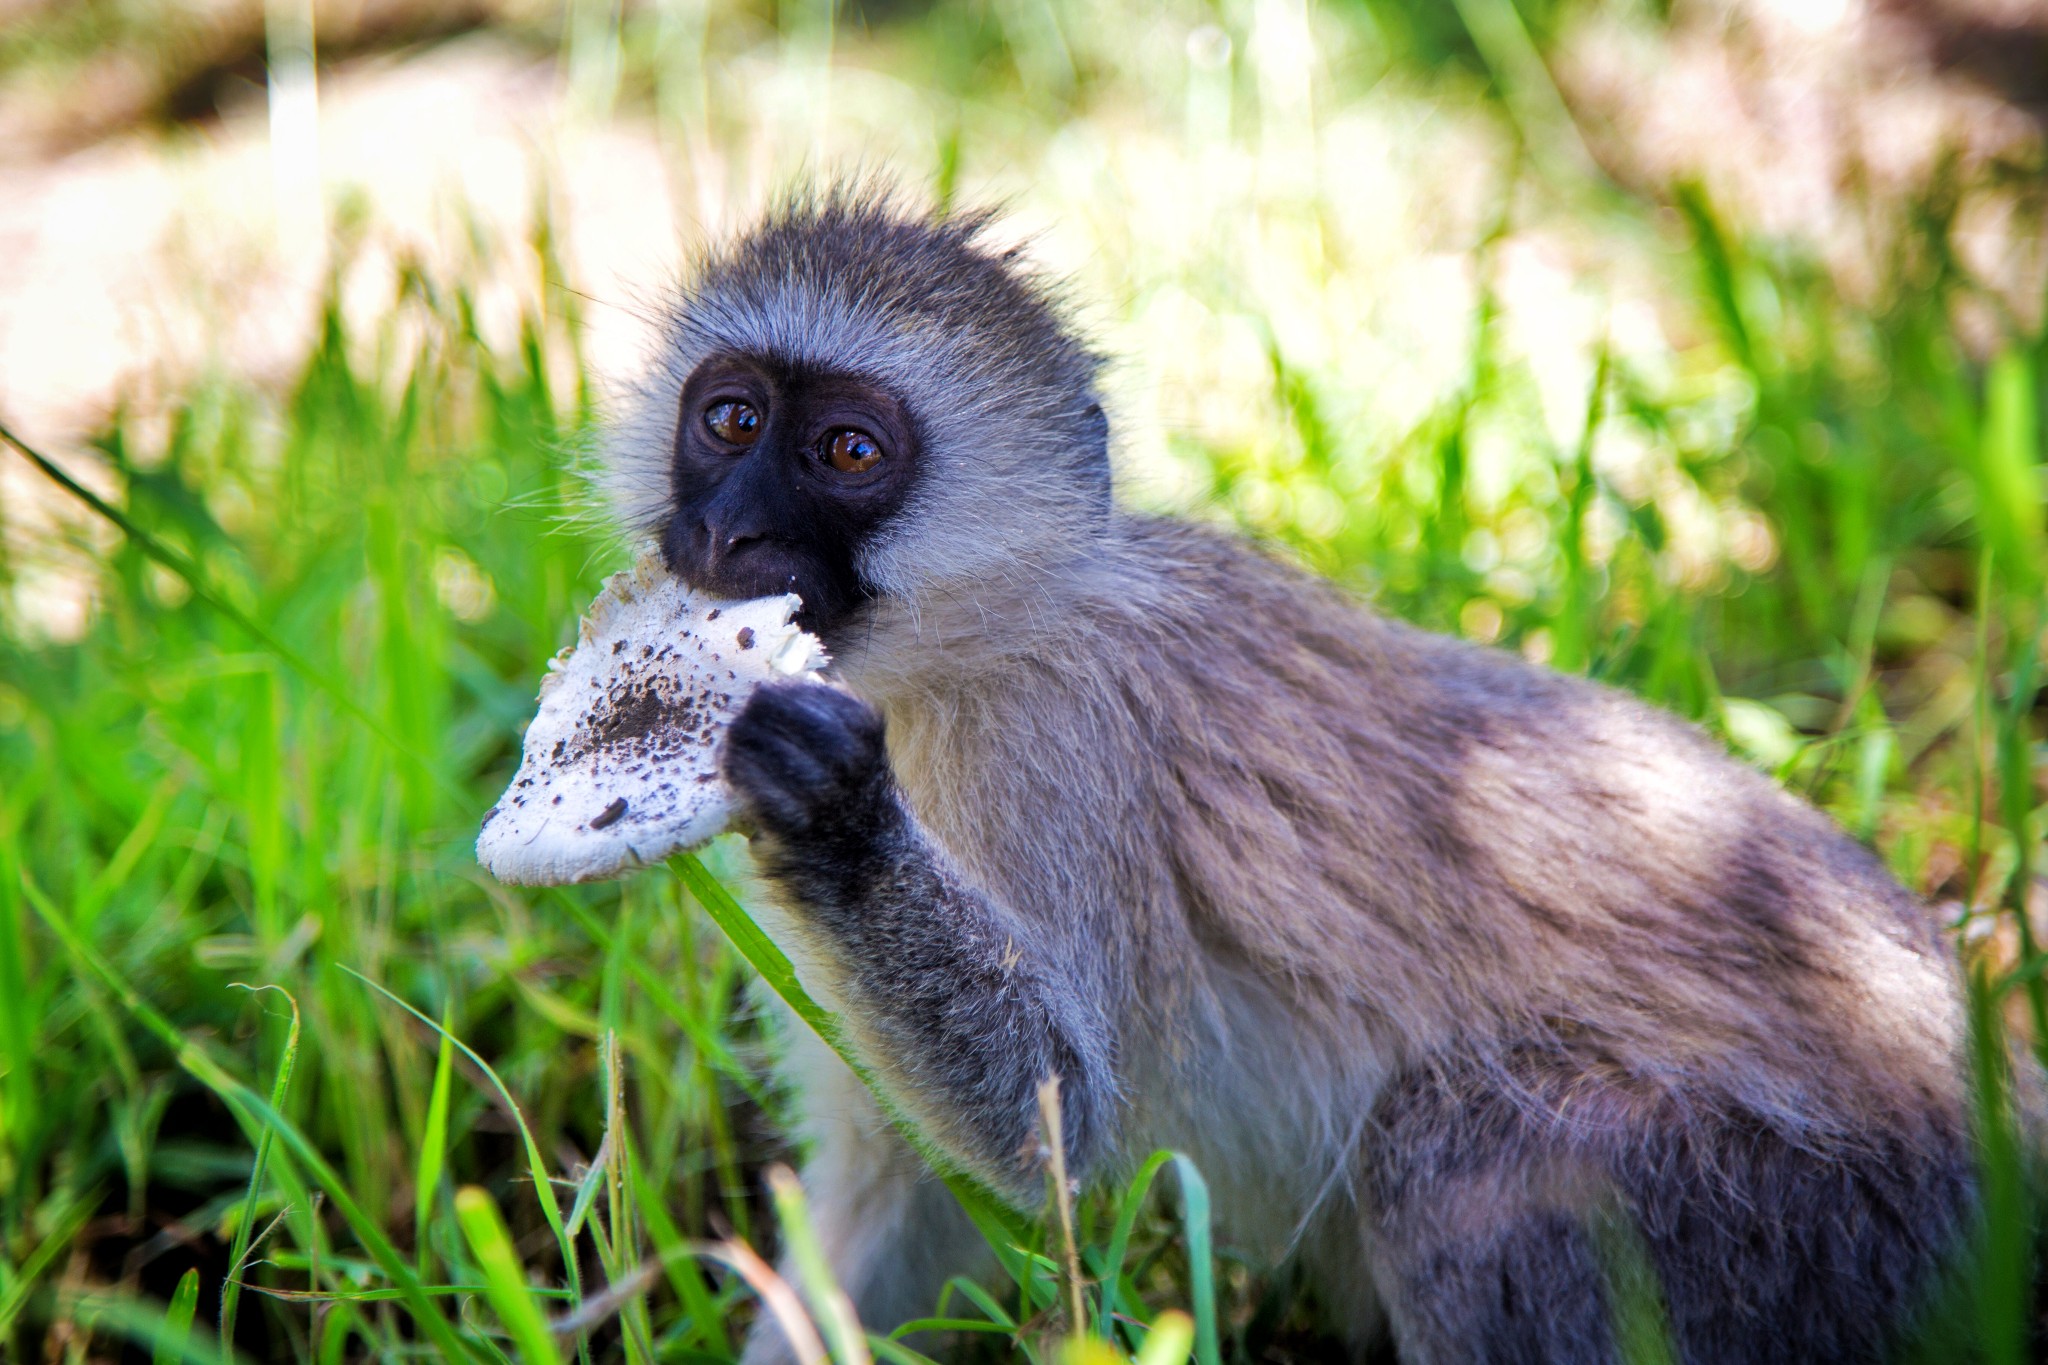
(619, 768)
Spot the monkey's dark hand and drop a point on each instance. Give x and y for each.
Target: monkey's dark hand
(810, 768)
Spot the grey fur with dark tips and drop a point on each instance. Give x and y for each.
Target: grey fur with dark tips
(1439, 964)
(974, 1016)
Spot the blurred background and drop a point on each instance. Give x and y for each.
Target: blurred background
(1695, 345)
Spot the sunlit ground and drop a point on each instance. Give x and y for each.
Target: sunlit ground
(1277, 193)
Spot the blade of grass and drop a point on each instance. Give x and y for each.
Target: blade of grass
(982, 1299)
(433, 1158)
(615, 1298)
(2016, 798)
(1636, 1317)
(504, 1283)
(170, 1344)
(1201, 1262)
(829, 1304)
(1063, 1202)
(620, 1248)
(1194, 1197)
(17, 1030)
(774, 966)
(1168, 1343)
(141, 1322)
(682, 1273)
(203, 592)
(1548, 129)
(65, 1225)
(1980, 733)
(231, 1290)
(702, 1036)
(1573, 629)
(2008, 470)
(589, 1187)
(1128, 1208)
(536, 1166)
(897, 1353)
(255, 1112)
(445, 1291)
(916, 1325)
(778, 1297)
(2005, 1265)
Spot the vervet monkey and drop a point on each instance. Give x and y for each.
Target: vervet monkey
(1438, 963)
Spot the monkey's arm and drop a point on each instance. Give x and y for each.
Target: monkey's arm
(958, 1001)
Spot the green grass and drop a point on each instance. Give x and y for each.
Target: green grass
(263, 1020)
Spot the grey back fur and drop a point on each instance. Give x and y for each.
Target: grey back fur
(1426, 953)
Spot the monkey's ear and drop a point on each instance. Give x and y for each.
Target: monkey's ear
(1097, 447)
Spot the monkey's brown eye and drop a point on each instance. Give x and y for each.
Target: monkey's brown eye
(734, 423)
(853, 452)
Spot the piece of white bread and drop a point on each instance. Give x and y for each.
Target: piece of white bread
(619, 768)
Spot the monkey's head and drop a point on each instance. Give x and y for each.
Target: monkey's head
(858, 399)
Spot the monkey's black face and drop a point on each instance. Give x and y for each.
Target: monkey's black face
(781, 474)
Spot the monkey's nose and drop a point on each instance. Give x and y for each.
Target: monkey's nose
(700, 548)
(722, 540)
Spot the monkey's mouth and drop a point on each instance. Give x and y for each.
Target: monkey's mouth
(619, 765)
(745, 574)
(769, 572)
(760, 567)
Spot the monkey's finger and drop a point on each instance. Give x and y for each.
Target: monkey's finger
(778, 772)
(839, 731)
(819, 705)
(778, 782)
